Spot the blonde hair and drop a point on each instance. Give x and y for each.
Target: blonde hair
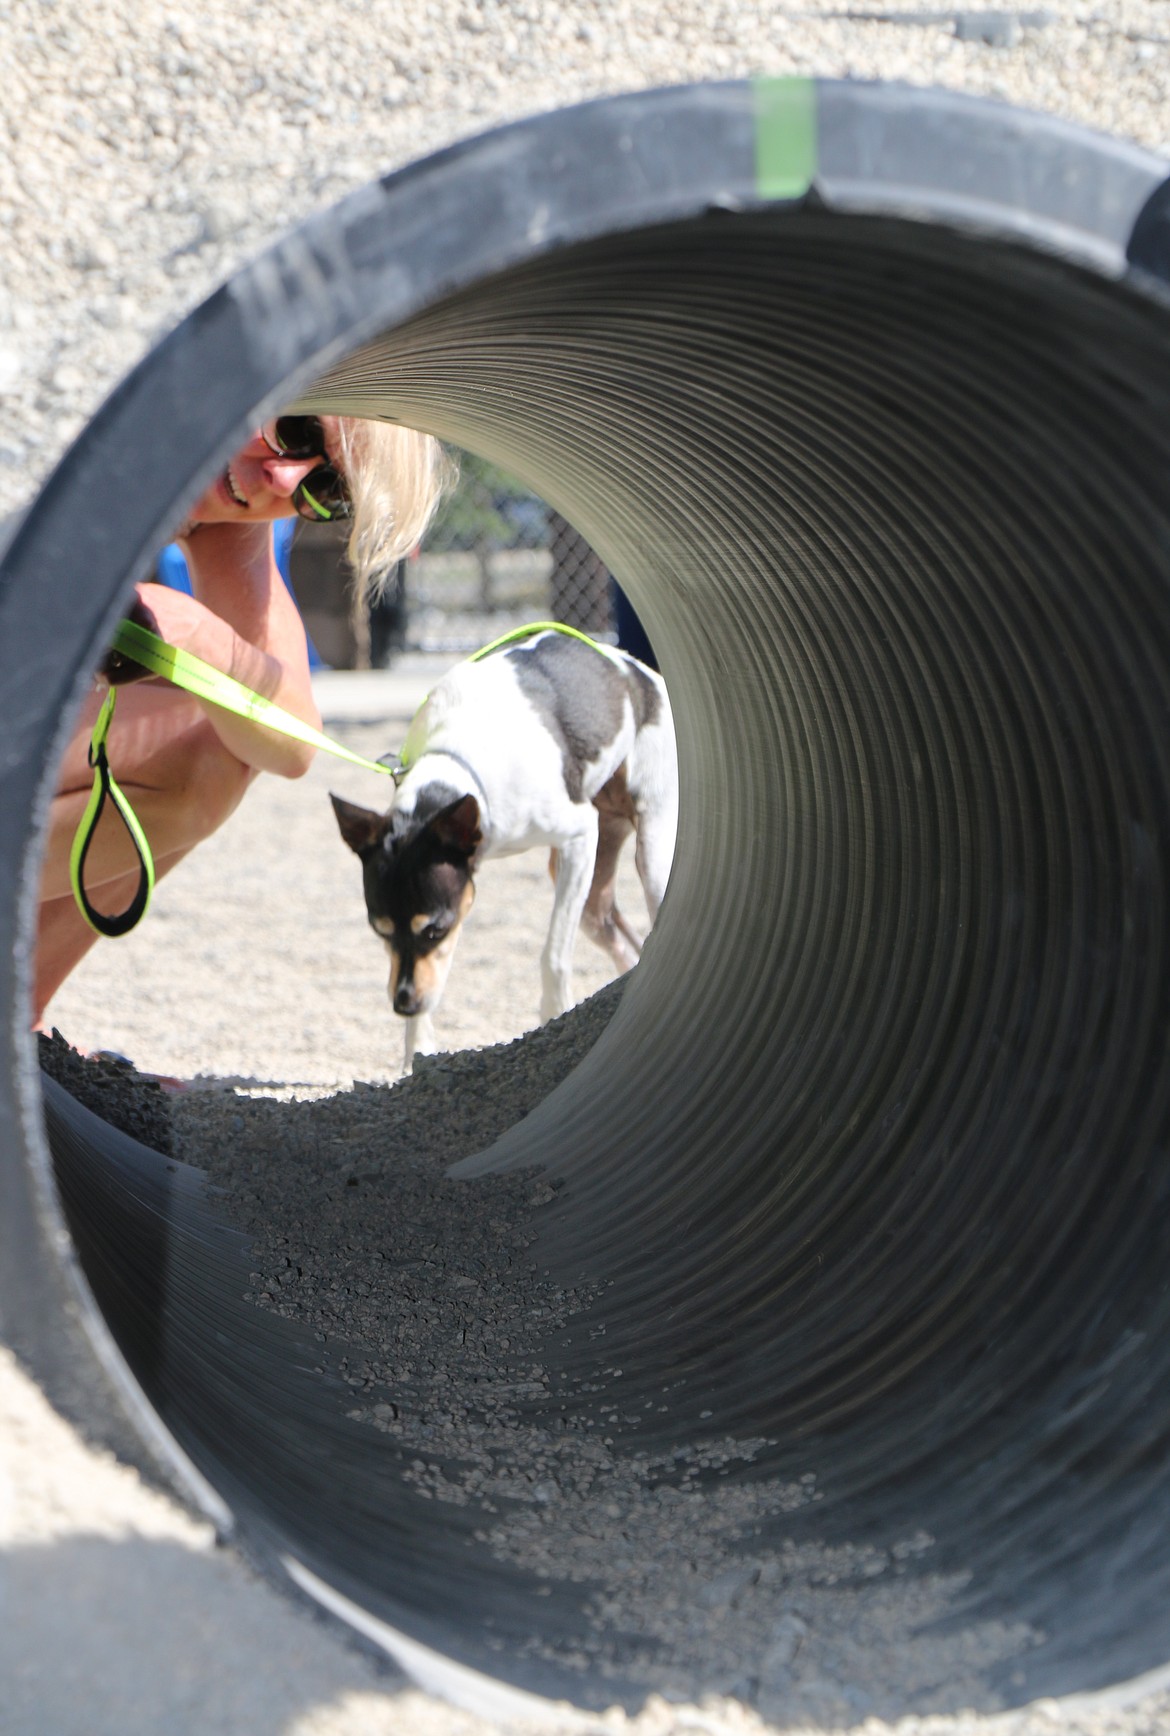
(396, 478)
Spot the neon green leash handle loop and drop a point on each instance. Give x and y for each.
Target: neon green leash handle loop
(195, 676)
(191, 673)
(105, 787)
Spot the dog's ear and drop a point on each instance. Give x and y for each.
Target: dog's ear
(360, 827)
(458, 826)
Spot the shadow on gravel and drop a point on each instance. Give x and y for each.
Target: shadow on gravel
(128, 1637)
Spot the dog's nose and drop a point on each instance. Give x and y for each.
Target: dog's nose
(405, 1000)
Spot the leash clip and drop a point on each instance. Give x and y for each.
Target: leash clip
(393, 764)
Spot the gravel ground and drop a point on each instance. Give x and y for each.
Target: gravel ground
(149, 150)
(151, 147)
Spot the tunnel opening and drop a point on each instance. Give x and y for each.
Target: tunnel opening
(862, 1186)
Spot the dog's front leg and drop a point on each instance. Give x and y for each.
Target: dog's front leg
(574, 872)
(420, 1038)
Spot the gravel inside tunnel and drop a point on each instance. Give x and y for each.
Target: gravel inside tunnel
(425, 1297)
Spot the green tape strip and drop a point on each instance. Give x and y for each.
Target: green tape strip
(786, 136)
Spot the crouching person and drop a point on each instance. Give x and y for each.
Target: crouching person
(183, 764)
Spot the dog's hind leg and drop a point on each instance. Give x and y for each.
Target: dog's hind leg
(601, 919)
(654, 793)
(575, 858)
(653, 855)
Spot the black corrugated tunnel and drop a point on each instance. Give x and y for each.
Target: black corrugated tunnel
(863, 393)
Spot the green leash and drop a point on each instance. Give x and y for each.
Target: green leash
(195, 676)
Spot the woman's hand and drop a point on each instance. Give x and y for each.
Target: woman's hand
(243, 621)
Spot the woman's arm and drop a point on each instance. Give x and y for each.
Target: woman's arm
(243, 621)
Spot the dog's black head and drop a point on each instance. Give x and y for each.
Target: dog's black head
(418, 883)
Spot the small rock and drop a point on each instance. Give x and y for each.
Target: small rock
(726, 1591)
(996, 29)
(787, 1637)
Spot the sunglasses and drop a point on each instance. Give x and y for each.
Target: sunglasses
(323, 493)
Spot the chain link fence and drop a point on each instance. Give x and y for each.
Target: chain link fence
(496, 556)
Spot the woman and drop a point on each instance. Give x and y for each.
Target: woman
(184, 765)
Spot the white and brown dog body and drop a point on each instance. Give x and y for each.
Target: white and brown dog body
(550, 742)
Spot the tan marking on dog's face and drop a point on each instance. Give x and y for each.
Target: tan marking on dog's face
(382, 925)
(429, 968)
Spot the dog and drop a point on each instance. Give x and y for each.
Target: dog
(553, 741)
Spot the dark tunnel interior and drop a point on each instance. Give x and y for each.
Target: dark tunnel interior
(894, 506)
(872, 1163)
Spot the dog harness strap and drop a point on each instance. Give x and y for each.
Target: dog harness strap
(105, 787)
(520, 633)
